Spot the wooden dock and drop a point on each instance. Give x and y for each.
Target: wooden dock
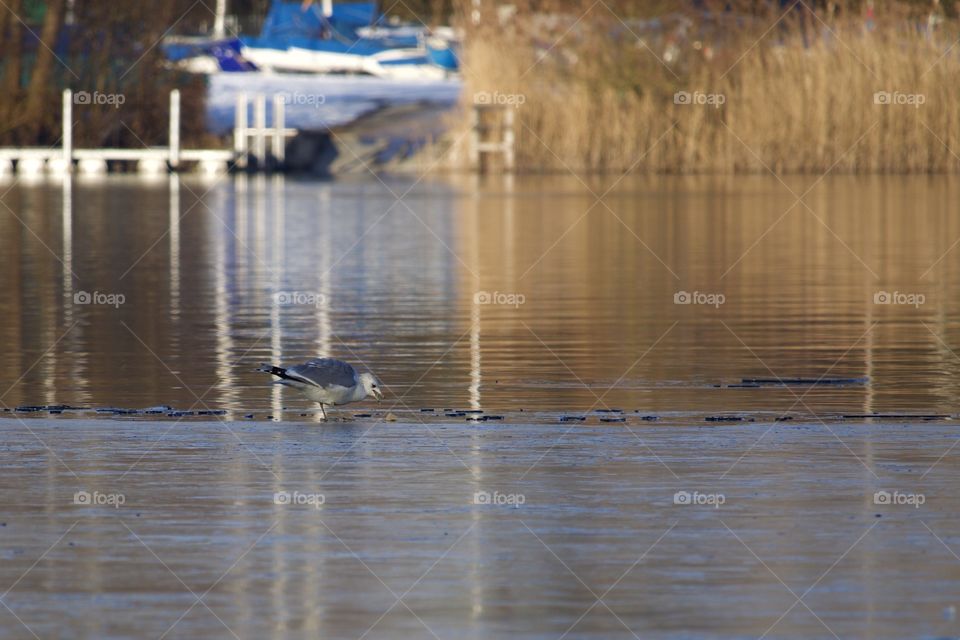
(249, 153)
(257, 146)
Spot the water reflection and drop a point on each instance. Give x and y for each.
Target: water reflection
(202, 267)
(581, 293)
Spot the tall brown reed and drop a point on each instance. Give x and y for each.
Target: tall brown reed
(797, 97)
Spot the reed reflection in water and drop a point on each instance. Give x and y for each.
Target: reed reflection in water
(491, 293)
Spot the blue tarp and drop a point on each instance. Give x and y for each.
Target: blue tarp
(287, 19)
(289, 24)
(356, 14)
(291, 19)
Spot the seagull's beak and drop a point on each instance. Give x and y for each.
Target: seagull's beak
(378, 394)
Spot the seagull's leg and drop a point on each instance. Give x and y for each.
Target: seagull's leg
(323, 411)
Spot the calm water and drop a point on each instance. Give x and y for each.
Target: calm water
(503, 296)
(216, 277)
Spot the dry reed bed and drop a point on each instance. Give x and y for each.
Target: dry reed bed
(786, 106)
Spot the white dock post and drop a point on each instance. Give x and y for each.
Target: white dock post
(508, 140)
(212, 167)
(260, 125)
(67, 134)
(240, 131)
(152, 167)
(220, 20)
(92, 167)
(174, 129)
(279, 133)
(31, 167)
(56, 166)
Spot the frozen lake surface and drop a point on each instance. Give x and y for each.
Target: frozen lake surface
(200, 546)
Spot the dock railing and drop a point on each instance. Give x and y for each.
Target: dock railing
(149, 160)
(250, 142)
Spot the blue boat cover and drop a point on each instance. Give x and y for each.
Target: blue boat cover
(289, 24)
(291, 19)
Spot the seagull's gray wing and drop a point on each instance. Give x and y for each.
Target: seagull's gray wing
(324, 372)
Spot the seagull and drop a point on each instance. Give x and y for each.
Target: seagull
(327, 381)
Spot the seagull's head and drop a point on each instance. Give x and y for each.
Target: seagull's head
(371, 385)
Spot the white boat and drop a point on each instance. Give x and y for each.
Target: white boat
(347, 38)
(399, 64)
